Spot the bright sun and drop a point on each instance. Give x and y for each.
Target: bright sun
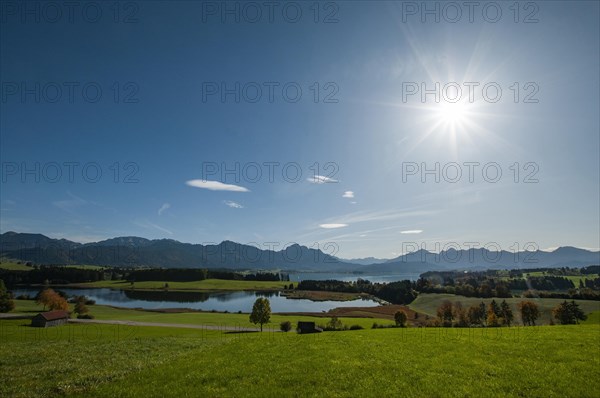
(453, 114)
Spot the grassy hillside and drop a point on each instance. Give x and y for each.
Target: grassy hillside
(105, 361)
(14, 266)
(429, 302)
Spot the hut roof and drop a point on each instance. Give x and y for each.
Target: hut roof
(54, 315)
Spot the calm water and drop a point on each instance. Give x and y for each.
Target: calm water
(230, 301)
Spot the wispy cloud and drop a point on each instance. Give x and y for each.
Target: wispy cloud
(333, 226)
(412, 231)
(216, 186)
(387, 215)
(233, 204)
(148, 225)
(164, 207)
(69, 205)
(317, 179)
(348, 194)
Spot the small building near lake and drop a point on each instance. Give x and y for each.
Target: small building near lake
(50, 318)
(308, 327)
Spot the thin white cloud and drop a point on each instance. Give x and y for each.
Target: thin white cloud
(164, 207)
(147, 224)
(412, 231)
(332, 226)
(233, 204)
(353, 202)
(69, 205)
(348, 194)
(216, 186)
(321, 180)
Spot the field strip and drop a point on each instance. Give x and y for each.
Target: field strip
(170, 325)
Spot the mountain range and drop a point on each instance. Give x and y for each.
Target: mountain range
(134, 251)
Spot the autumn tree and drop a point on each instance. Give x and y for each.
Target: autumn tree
(400, 317)
(495, 308)
(529, 312)
(475, 315)
(445, 314)
(52, 300)
(568, 313)
(460, 315)
(261, 312)
(492, 320)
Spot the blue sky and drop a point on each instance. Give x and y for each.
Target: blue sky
(157, 126)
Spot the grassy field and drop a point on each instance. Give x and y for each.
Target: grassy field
(198, 318)
(205, 285)
(108, 361)
(13, 266)
(573, 278)
(428, 304)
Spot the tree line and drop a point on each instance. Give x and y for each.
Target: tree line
(453, 314)
(65, 275)
(401, 292)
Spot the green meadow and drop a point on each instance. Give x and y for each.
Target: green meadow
(14, 266)
(127, 361)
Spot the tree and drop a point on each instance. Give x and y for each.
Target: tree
(80, 307)
(285, 326)
(445, 314)
(460, 315)
(493, 307)
(529, 312)
(53, 300)
(6, 302)
(568, 313)
(400, 317)
(334, 324)
(492, 320)
(506, 313)
(261, 312)
(475, 316)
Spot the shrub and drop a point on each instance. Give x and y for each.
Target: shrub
(285, 326)
(334, 324)
(85, 316)
(400, 318)
(356, 327)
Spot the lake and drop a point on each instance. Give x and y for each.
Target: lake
(219, 301)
